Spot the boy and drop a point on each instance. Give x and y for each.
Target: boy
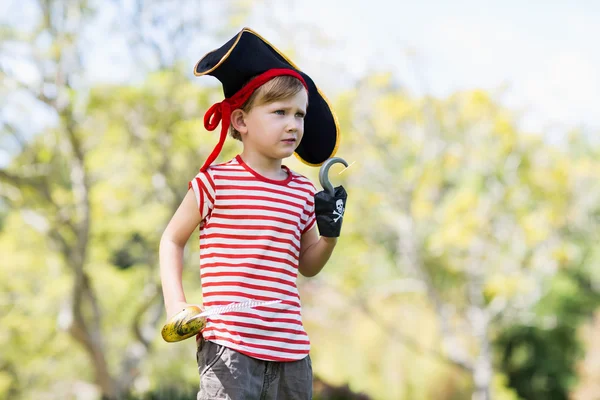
(258, 224)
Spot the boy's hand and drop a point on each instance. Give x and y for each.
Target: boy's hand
(176, 308)
(184, 323)
(329, 211)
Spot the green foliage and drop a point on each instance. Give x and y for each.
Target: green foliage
(456, 195)
(139, 166)
(433, 181)
(540, 359)
(540, 363)
(3, 214)
(133, 251)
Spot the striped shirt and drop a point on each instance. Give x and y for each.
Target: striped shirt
(249, 250)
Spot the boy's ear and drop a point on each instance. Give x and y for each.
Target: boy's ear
(238, 121)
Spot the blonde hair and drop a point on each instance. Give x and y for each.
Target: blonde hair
(278, 88)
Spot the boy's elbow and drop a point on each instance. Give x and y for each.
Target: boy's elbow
(168, 239)
(165, 239)
(306, 275)
(307, 271)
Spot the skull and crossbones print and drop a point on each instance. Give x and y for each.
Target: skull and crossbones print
(339, 209)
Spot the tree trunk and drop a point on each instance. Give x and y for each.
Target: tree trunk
(88, 336)
(482, 373)
(479, 316)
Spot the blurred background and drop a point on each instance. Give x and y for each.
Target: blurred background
(467, 268)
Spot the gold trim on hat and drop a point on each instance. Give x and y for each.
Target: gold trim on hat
(226, 55)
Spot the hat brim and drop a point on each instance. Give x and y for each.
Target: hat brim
(248, 54)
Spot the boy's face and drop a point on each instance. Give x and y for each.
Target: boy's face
(275, 130)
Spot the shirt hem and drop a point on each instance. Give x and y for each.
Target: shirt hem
(251, 354)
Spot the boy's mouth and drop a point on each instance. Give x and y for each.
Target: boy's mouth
(290, 140)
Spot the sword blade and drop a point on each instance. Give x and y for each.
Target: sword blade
(233, 307)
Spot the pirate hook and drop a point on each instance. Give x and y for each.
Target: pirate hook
(324, 173)
(331, 202)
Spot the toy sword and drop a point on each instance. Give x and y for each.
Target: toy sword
(191, 320)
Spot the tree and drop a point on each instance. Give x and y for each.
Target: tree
(465, 204)
(53, 177)
(60, 208)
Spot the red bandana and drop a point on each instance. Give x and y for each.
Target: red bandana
(221, 112)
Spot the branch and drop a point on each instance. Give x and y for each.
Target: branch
(8, 368)
(408, 251)
(83, 328)
(20, 181)
(81, 186)
(41, 186)
(408, 241)
(136, 326)
(90, 339)
(137, 351)
(140, 38)
(408, 341)
(15, 135)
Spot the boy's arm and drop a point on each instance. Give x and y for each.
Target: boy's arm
(314, 252)
(173, 241)
(329, 212)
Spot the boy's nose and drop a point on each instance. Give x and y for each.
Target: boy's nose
(294, 125)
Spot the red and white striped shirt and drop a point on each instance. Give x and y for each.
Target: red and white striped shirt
(249, 250)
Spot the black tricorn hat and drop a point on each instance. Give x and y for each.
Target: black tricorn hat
(247, 55)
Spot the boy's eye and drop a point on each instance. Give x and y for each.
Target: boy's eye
(300, 115)
(280, 112)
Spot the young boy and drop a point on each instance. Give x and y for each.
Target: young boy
(258, 224)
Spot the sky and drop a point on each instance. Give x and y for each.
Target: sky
(545, 54)
(542, 54)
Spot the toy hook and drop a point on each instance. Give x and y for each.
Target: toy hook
(324, 173)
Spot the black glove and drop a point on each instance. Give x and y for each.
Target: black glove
(330, 211)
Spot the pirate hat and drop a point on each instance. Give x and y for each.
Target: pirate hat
(248, 56)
